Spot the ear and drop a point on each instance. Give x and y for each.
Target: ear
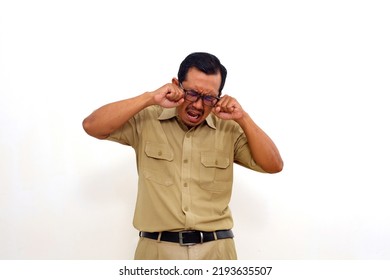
(175, 81)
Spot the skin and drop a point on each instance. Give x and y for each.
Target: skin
(105, 120)
(203, 84)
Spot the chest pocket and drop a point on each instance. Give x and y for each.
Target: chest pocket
(215, 170)
(157, 164)
(159, 151)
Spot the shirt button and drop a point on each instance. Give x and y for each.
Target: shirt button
(216, 162)
(185, 185)
(186, 209)
(159, 153)
(185, 161)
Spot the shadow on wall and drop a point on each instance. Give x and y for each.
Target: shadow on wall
(250, 211)
(107, 196)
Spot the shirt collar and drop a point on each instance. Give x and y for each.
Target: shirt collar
(169, 113)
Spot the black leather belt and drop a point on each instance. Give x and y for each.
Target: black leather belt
(190, 237)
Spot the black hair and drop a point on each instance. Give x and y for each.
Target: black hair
(204, 62)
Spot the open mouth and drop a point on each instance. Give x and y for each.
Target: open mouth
(193, 115)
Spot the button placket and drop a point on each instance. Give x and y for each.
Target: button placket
(186, 175)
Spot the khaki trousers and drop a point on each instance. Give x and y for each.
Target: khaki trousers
(149, 249)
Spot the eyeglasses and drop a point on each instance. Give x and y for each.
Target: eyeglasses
(193, 96)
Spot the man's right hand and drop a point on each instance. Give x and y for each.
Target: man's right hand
(168, 96)
(108, 118)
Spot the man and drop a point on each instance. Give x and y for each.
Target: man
(186, 136)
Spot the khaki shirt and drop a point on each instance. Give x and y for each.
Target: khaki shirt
(185, 175)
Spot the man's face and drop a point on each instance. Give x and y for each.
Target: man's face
(194, 113)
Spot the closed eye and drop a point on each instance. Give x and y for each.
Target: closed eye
(193, 93)
(209, 98)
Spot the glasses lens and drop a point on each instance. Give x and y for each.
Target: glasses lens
(192, 96)
(209, 100)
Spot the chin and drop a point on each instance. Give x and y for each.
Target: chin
(193, 124)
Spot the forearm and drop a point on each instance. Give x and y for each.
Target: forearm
(108, 118)
(263, 150)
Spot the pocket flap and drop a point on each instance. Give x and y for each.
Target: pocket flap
(159, 151)
(215, 159)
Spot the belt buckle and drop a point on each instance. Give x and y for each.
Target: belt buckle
(181, 238)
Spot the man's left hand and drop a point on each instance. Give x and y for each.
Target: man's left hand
(228, 108)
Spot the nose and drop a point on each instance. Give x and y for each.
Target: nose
(198, 104)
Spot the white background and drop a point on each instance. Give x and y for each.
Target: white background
(313, 74)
